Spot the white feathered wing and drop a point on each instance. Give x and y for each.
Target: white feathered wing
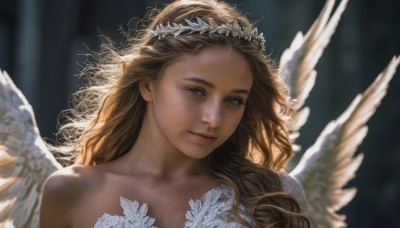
(329, 164)
(25, 162)
(297, 63)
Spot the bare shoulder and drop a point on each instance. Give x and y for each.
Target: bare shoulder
(70, 180)
(62, 193)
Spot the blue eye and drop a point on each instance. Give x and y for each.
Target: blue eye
(196, 91)
(236, 101)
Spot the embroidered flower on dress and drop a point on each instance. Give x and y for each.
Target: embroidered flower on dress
(208, 211)
(212, 210)
(135, 216)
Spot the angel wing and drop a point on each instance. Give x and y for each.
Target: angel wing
(298, 62)
(329, 164)
(25, 162)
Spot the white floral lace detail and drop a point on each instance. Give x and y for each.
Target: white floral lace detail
(135, 216)
(212, 210)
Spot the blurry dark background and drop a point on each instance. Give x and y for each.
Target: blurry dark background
(40, 43)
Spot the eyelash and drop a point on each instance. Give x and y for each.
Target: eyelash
(197, 91)
(235, 101)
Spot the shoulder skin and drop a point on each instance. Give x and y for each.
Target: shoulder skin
(61, 194)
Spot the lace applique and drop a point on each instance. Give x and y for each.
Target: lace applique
(212, 210)
(135, 216)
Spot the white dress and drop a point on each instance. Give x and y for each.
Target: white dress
(212, 210)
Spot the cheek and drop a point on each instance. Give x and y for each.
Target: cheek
(175, 107)
(233, 120)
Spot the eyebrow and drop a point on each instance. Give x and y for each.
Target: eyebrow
(208, 84)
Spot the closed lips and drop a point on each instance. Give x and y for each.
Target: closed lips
(203, 138)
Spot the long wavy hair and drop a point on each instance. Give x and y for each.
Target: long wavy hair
(107, 117)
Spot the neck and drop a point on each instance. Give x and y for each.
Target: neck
(153, 156)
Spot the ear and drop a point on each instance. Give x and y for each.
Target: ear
(146, 90)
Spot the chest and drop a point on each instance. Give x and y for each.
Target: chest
(212, 210)
(167, 205)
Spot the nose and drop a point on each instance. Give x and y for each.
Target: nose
(212, 114)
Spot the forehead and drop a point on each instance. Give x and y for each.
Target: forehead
(217, 64)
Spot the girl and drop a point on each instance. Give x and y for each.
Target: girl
(184, 127)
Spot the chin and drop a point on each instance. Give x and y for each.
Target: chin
(198, 153)
(198, 156)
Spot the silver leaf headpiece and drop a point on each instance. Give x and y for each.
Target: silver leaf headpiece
(234, 30)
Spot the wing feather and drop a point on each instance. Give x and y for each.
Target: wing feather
(25, 162)
(329, 164)
(297, 64)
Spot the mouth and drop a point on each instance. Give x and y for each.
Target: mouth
(203, 138)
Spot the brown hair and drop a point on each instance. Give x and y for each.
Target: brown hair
(107, 118)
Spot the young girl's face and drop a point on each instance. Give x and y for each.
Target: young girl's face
(199, 100)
